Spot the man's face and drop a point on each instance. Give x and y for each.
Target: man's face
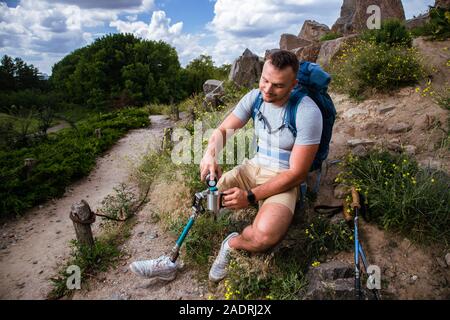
(276, 84)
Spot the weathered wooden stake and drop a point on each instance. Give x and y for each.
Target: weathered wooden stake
(167, 144)
(98, 133)
(82, 218)
(29, 164)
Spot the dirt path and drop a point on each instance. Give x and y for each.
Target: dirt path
(32, 247)
(61, 125)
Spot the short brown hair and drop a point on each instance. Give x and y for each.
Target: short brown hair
(282, 59)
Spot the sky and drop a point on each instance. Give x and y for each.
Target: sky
(42, 32)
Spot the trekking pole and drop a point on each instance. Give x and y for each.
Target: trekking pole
(213, 199)
(197, 208)
(359, 252)
(356, 206)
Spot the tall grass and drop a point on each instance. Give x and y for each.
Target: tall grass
(402, 197)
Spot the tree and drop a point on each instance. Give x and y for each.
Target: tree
(118, 70)
(7, 73)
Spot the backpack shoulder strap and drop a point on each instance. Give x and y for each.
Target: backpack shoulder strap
(257, 105)
(291, 111)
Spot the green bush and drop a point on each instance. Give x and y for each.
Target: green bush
(438, 26)
(90, 260)
(280, 275)
(61, 159)
(392, 33)
(365, 66)
(331, 36)
(401, 196)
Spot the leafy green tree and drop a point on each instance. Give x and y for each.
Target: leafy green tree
(119, 70)
(7, 73)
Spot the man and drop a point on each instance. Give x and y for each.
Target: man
(281, 163)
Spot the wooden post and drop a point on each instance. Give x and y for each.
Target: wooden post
(82, 218)
(175, 111)
(167, 140)
(29, 165)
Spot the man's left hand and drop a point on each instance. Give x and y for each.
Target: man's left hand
(235, 199)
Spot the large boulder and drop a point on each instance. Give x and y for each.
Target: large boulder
(247, 69)
(213, 90)
(437, 59)
(444, 4)
(331, 48)
(331, 281)
(307, 45)
(213, 87)
(308, 53)
(290, 42)
(313, 30)
(354, 14)
(343, 25)
(418, 21)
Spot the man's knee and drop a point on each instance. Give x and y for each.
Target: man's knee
(268, 232)
(264, 238)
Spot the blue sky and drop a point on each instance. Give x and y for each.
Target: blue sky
(43, 31)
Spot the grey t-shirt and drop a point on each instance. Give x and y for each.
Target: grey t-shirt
(275, 144)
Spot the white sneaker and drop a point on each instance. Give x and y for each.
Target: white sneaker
(218, 269)
(161, 268)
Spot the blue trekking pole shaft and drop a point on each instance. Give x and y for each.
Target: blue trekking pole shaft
(196, 209)
(176, 249)
(355, 205)
(185, 231)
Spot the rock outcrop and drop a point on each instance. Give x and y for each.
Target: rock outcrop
(331, 281)
(313, 30)
(306, 45)
(417, 21)
(213, 90)
(353, 18)
(331, 48)
(444, 4)
(291, 42)
(247, 69)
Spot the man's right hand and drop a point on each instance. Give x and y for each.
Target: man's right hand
(209, 165)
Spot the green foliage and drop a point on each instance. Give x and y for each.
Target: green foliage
(16, 75)
(99, 258)
(121, 204)
(330, 36)
(366, 66)
(61, 159)
(29, 98)
(119, 70)
(233, 93)
(202, 239)
(438, 26)
(280, 275)
(401, 196)
(392, 33)
(198, 71)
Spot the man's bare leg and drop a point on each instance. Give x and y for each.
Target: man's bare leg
(268, 228)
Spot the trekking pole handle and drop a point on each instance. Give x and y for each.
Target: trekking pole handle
(355, 199)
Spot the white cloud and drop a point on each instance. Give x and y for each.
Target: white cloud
(160, 27)
(258, 24)
(44, 31)
(52, 29)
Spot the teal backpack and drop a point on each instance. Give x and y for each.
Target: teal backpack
(313, 82)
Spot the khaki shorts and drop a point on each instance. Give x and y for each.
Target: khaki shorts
(247, 176)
